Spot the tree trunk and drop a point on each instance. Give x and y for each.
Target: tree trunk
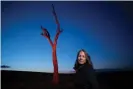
(55, 65)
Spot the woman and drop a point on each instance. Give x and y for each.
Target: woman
(85, 77)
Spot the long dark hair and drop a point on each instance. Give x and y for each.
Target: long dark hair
(88, 60)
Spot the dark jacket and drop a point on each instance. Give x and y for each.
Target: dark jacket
(85, 77)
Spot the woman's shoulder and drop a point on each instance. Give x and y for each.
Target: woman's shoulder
(88, 66)
(89, 69)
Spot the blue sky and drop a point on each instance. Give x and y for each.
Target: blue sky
(103, 29)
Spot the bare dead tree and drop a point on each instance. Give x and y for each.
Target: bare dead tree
(46, 34)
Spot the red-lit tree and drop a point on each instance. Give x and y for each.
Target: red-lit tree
(46, 34)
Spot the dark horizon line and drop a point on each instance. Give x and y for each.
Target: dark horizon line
(71, 72)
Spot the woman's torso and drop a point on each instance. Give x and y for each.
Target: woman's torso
(83, 74)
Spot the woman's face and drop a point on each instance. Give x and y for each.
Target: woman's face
(81, 58)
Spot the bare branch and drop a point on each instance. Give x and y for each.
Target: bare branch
(57, 35)
(58, 25)
(56, 18)
(50, 41)
(46, 34)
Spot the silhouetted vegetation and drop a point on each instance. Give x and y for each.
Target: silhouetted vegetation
(5, 66)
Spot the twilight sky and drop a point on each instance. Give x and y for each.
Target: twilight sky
(103, 29)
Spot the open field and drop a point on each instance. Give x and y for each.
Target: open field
(37, 80)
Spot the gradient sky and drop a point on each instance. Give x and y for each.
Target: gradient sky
(103, 29)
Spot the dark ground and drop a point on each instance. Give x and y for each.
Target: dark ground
(37, 80)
